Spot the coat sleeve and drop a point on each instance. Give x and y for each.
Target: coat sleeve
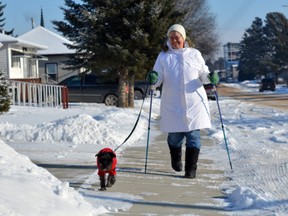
(158, 67)
(204, 71)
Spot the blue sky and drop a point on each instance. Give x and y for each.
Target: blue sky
(232, 16)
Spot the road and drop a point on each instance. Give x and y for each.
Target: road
(279, 101)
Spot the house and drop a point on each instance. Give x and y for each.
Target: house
(56, 53)
(19, 58)
(231, 59)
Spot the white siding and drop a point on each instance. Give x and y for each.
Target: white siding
(3, 59)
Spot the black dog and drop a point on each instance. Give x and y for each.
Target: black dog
(106, 163)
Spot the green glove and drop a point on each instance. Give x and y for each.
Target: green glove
(152, 77)
(214, 78)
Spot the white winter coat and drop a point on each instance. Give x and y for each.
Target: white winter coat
(184, 103)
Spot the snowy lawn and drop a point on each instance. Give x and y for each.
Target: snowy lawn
(257, 140)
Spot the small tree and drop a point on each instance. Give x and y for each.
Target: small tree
(2, 20)
(4, 94)
(42, 19)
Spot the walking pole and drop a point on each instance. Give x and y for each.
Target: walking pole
(222, 125)
(148, 136)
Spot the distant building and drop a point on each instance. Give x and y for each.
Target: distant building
(231, 59)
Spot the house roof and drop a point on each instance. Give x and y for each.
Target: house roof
(54, 42)
(5, 39)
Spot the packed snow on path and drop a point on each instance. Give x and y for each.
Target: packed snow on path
(256, 137)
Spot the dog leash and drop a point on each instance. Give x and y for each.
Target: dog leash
(135, 125)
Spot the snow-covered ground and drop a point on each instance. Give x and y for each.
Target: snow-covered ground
(258, 143)
(257, 139)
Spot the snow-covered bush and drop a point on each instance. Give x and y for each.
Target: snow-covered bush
(4, 93)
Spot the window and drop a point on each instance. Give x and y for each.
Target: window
(32, 68)
(16, 62)
(74, 81)
(51, 70)
(90, 80)
(16, 58)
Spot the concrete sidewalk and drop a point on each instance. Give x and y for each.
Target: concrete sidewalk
(164, 191)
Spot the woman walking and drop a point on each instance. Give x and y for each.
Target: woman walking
(184, 104)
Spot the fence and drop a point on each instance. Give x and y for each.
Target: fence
(38, 94)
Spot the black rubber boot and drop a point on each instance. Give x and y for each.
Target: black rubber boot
(176, 162)
(191, 159)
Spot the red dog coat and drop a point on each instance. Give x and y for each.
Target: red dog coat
(112, 171)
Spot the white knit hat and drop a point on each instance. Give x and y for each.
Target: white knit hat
(179, 28)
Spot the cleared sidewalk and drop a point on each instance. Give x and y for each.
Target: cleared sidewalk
(164, 191)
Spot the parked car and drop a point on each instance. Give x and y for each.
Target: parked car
(98, 89)
(267, 84)
(210, 91)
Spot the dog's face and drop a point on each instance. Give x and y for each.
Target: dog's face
(105, 160)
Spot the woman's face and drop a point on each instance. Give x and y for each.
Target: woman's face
(176, 40)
